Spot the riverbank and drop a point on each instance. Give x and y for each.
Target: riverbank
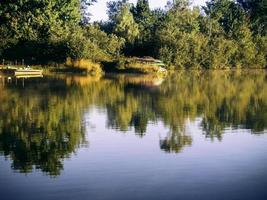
(145, 65)
(134, 65)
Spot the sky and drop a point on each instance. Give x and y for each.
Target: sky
(98, 10)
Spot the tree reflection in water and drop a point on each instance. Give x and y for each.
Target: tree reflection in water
(42, 124)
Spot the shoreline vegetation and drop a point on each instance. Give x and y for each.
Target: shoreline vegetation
(135, 65)
(58, 37)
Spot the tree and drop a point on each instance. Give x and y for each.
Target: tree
(228, 14)
(178, 4)
(257, 12)
(109, 44)
(143, 17)
(114, 8)
(125, 25)
(92, 43)
(52, 31)
(179, 40)
(142, 13)
(39, 20)
(37, 26)
(232, 18)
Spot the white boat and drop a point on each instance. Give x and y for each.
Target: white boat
(20, 72)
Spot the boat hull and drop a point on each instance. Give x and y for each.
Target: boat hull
(28, 72)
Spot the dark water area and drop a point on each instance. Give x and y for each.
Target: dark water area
(191, 135)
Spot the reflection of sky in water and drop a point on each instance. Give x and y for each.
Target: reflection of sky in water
(120, 165)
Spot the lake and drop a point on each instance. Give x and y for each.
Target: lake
(191, 135)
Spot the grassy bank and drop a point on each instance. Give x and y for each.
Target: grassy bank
(135, 65)
(82, 66)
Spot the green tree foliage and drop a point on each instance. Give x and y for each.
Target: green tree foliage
(42, 31)
(178, 4)
(235, 23)
(181, 43)
(257, 12)
(142, 12)
(115, 7)
(92, 43)
(143, 17)
(31, 20)
(228, 14)
(223, 34)
(125, 26)
(110, 44)
(34, 26)
(221, 38)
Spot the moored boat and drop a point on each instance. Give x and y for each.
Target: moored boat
(20, 72)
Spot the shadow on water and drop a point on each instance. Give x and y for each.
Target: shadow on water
(42, 123)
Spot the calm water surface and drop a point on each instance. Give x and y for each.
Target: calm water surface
(193, 135)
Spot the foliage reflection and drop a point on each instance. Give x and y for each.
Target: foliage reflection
(42, 124)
